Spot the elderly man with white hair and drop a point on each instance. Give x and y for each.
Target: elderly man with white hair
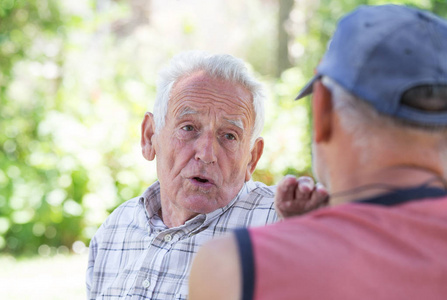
(205, 136)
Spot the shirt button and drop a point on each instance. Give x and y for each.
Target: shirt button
(146, 283)
(168, 238)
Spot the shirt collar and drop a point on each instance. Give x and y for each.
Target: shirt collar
(150, 200)
(244, 191)
(400, 196)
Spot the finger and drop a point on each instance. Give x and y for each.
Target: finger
(286, 189)
(322, 192)
(305, 187)
(284, 196)
(319, 197)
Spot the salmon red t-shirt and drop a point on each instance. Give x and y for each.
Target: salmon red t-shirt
(389, 247)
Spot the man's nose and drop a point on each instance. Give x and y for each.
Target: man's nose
(206, 148)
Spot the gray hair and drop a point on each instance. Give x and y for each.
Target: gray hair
(358, 111)
(222, 66)
(359, 118)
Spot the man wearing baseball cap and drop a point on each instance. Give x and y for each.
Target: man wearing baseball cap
(380, 147)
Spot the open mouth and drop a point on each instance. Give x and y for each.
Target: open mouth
(203, 180)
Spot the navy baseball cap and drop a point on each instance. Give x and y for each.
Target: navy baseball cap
(379, 52)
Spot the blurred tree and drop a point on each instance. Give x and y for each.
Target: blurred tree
(140, 15)
(439, 7)
(283, 61)
(26, 27)
(58, 178)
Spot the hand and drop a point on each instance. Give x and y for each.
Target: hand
(298, 196)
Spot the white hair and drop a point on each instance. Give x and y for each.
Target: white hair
(222, 66)
(361, 119)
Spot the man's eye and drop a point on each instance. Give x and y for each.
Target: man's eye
(188, 128)
(230, 136)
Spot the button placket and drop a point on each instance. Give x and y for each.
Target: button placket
(168, 238)
(146, 283)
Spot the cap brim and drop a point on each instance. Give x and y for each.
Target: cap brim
(308, 89)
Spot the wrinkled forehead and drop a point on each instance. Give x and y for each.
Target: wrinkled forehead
(200, 92)
(202, 80)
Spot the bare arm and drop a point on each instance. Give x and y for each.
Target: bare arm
(216, 273)
(297, 196)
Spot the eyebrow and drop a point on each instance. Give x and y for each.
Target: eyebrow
(187, 111)
(237, 123)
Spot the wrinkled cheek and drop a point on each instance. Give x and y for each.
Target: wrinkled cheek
(166, 175)
(233, 186)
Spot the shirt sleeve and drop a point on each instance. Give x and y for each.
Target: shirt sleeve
(92, 251)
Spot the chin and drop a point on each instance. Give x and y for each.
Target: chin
(202, 204)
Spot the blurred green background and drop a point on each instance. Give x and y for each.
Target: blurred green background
(77, 76)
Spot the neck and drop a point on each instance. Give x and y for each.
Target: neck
(387, 156)
(384, 180)
(173, 217)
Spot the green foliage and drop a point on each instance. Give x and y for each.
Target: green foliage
(23, 107)
(56, 177)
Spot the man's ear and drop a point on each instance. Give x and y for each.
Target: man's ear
(147, 135)
(322, 112)
(256, 153)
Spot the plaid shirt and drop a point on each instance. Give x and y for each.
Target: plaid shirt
(134, 255)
